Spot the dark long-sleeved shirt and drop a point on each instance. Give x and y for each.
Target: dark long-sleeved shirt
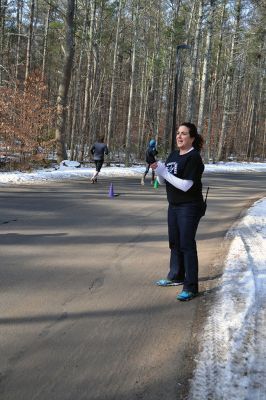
(99, 150)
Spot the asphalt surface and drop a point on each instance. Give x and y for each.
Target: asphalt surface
(80, 316)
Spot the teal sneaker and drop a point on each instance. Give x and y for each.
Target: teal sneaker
(168, 282)
(185, 295)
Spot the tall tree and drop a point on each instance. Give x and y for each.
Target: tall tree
(3, 10)
(45, 40)
(111, 106)
(85, 115)
(214, 85)
(19, 33)
(29, 42)
(257, 97)
(229, 81)
(68, 50)
(190, 114)
(206, 66)
(135, 12)
(77, 93)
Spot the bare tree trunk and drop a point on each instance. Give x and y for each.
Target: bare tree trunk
(170, 80)
(3, 7)
(77, 90)
(207, 147)
(142, 106)
(111, 107)
(211, 153)
(168, 114)
(191, 17)
(156, 77)
(192, 81)
(46, 30)
(65, 81)
(243, 144)
(29, 44)
(144, 103)
(128, 132)
(264, 142)
(69, 111)
(19, 23)
(228, 87)
(97, 119)
(255, 113)
(86, 108)
(206, 65)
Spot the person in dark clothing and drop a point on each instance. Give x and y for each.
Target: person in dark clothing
(182, 174)
(150, 154)
(98, 150)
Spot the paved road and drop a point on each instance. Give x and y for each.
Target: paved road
(80, 317)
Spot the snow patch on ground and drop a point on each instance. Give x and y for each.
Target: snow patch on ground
(71, 170)
(65, 172)
(235, 167)
(232, 361)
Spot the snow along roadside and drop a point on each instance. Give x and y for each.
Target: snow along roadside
(232, 359)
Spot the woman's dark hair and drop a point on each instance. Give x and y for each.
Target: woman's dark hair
(193, 132)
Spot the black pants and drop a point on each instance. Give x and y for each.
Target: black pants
(147, 170)
(98, 165)
(183, 220)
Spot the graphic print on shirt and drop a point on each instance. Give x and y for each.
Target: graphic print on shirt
(172, 167)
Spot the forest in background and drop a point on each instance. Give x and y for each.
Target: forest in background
(74, 70)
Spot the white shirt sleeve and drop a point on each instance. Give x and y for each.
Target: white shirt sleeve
(182, 184)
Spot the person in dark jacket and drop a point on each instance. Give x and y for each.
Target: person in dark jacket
(182, 174)
(150, 154)
(98, 150)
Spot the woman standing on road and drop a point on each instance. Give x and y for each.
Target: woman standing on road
(182, 174)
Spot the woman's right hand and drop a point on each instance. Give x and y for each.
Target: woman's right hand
(154, 165)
